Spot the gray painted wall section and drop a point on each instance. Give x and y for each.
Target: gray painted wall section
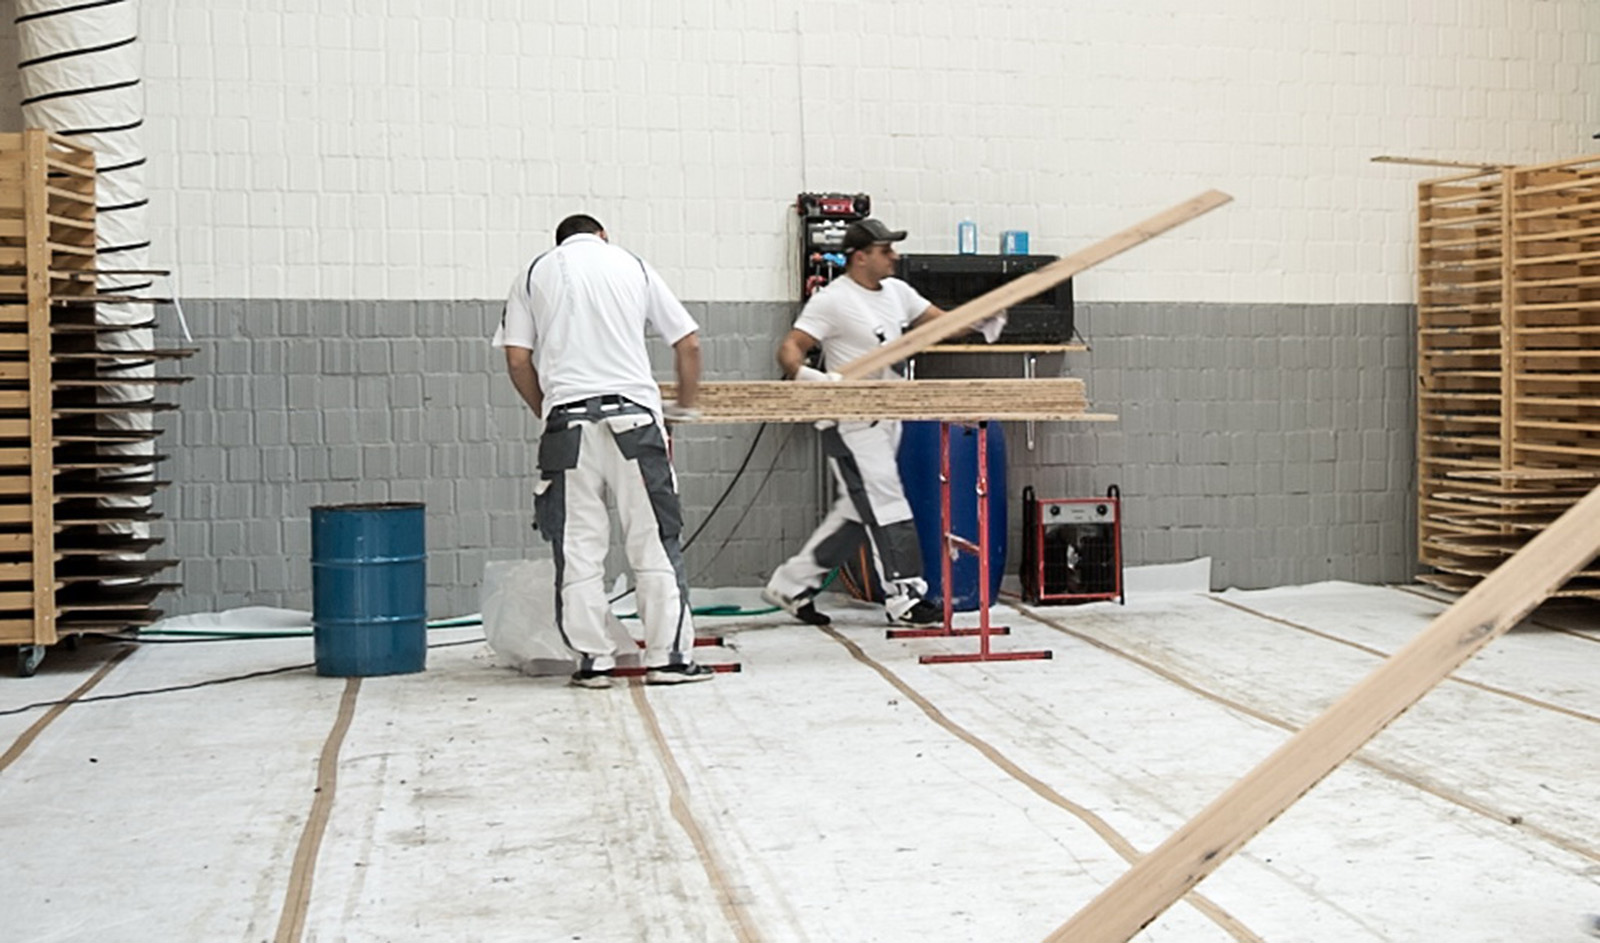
(1275, 439)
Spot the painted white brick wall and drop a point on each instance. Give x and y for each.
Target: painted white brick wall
(323, 150)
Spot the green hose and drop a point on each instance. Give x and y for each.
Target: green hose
(723, 611)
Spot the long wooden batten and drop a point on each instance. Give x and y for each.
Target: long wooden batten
(1222, 828)
(961, 319)
(956, 400)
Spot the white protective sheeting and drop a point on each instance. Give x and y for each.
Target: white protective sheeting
(834, 789)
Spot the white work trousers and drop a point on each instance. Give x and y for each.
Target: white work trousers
(587, 449)
(871, 504)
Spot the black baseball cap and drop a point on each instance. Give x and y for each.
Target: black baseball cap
(870, 232)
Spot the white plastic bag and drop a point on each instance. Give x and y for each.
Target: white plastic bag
(519, 616)
(519, 619)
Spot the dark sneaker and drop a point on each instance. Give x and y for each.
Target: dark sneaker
(678, 674)
(590, 678)
(923, 613)
(802, 610)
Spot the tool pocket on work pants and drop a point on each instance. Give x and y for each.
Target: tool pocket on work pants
(637, 435)
(558, 454)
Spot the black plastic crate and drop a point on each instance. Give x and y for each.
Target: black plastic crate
(950, 281)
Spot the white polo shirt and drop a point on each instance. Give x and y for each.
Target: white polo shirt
(583, 309)
(852, 321)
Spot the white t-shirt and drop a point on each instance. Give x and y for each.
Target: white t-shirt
(583, 308)
(851, 321)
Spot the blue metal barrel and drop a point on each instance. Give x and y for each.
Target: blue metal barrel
(369, 589)
(919, 474)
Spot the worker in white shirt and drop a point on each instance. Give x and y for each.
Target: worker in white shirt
(861, 310)
(574, 338)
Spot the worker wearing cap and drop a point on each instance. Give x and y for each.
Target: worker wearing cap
(850, 317)
(574, 336)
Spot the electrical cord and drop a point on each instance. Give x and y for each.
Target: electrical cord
(749, 507)
(737, 474)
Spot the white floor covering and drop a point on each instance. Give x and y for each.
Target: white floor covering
(833, 790)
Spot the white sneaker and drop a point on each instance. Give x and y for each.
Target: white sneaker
(678, 674)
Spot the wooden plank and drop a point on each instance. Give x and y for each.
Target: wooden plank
(960, 319)
(1222, 828)
(1432, 162)
(865, 400)
(40, 421)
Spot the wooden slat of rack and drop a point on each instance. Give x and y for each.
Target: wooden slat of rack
(41, 477)
(142, 353)
(960, 319)
(1222, 828)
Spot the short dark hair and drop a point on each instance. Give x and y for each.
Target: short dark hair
(576, 223)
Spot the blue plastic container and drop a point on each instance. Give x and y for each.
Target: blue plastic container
(919, 473)
(369, 589)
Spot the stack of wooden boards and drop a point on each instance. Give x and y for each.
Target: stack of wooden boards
(67, 562)
(1508, 343)
(862, 400)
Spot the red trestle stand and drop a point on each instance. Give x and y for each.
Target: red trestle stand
(951, 544)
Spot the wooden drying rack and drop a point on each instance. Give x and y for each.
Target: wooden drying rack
(63, 568)
(1508, 342)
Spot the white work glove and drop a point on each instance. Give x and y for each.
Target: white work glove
(991, 327)
(672, 412)
(812, 374)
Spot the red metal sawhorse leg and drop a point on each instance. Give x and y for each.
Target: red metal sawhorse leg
(951, 543)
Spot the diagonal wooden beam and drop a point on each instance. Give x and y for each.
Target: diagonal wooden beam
(1249, 805)
(986, 305)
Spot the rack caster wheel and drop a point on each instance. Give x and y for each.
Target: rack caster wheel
(28, 658)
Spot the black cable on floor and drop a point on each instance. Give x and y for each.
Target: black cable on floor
(192, 686)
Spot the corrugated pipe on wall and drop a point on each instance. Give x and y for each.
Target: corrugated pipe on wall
(81, 74)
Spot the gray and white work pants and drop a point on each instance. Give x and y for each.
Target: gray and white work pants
(871, 503)
(610, 443)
